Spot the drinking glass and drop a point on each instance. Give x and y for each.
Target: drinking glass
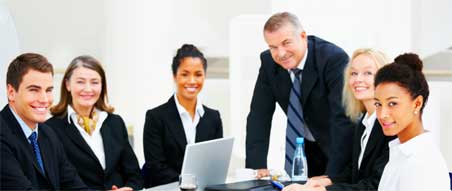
(187, 182)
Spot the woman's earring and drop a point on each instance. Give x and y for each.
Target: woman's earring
(415, 112)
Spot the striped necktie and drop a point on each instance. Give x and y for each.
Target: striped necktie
(34, 142)
(295, 120)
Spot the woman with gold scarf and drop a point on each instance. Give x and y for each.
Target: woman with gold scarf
(95, 139)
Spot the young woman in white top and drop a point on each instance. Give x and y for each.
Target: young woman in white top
(415, 162)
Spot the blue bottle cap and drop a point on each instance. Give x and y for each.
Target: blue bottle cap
(300, 140)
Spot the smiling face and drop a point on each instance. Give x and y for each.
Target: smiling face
(361, 80)
(33, 97)
(85, 86)
(287, 46)
(189, 78)
(397, 112)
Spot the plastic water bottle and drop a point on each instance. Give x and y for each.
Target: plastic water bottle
(299, 165)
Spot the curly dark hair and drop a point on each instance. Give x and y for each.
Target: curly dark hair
(187, 50)
(406, 71)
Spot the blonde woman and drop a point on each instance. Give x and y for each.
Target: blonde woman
(370, 145)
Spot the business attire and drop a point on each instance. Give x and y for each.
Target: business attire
(323, 113)
(30, 164)
(364, 172)
(415, 165)
(166, 135)
(102, 159)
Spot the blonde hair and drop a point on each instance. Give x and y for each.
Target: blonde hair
(353, 107)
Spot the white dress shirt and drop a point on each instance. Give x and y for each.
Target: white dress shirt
(368, 122)
(416, 165)
(189, 123)
(94, 141)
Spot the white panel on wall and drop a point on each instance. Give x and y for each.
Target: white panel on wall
(9, 47)
(437, 116)
(353, 24)
(246, 44)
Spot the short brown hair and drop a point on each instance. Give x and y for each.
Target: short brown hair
(89, 62)
(279, 20)
(22, 64)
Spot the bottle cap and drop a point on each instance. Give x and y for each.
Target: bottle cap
(300, 140)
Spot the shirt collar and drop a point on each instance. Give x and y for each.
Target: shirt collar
(199, 108)
(369, 120)
(27, 130)
(71, 112)
(409, 147)
(303, 61)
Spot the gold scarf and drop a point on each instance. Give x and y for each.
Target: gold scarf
(89, 124)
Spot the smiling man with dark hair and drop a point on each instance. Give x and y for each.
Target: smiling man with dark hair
(31, 155)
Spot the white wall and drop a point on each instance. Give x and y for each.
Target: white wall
(432, 26)
(9, 47)
(61, 30)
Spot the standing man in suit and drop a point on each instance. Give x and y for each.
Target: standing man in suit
(304, 75)
(32, 157)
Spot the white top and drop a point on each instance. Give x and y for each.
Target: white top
(416, 165)
(94, 141)
(368, 122)
(189, 123)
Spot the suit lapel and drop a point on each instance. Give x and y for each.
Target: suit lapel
(282, 86)
(357, 139)
(202, 129)
(14, 125)
(107, 136)
(75, 136)
(175, 124)
(309, 74)
(46, 150)
(375, 136)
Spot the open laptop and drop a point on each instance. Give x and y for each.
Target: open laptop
(208, 161)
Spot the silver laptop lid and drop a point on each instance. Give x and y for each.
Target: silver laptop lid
(208, 160)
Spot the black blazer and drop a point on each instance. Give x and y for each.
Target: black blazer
(321, 86)
(164, 140)
(19, 167)
(373, 163)
(122, 167)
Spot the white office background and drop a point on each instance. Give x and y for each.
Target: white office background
(136, 39)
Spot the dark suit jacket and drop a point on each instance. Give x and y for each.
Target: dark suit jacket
(164, 140)
(321, 87)
(122, 167)
(19, 167)
(373, 163)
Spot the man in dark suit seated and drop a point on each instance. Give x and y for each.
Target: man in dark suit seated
(304, 75)
(31, 156)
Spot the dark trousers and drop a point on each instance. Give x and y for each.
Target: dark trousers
(316, 159)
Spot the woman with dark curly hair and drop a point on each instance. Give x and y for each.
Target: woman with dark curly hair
(415, 161)
(180, 121)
